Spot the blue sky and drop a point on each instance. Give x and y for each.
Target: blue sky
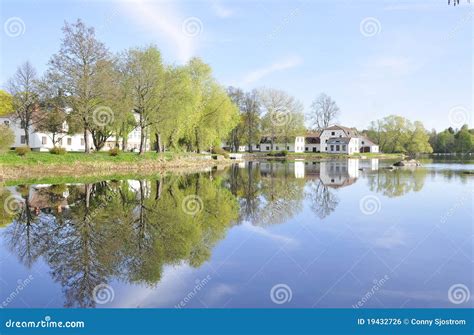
(375, 58)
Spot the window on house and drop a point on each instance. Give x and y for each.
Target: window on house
(288, 148)
(7, 123)
(326, 141)
(340, 135)
(258, 146)
(44, 140)
(22, 125)
(268, 148)
(332, 147)
(344, 148)
(60, 142)
(333, 133)
(362, 142)
(337, 147)
(306, 149)
(22, 139)
(69, 141)
(326, 148)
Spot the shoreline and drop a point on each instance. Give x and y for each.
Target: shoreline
(104, 169)
(44, 165)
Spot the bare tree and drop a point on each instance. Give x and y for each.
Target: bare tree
(323, 111)
(77, 66)
(23, 87)
(280, 109)
(251, 118)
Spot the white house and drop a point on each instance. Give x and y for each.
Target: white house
(43, 141)
(312, 142)
(334, 139)
(339, 139)
(297, 145)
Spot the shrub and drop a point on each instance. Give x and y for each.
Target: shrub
(7, 138)
(220, 151)
(114, 152)
(22, 151)
(57, 151)
(283, 153)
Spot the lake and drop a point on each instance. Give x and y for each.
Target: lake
(337, 233)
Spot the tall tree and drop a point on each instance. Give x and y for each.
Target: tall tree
(76, 66)
(23, 87)
(237, 96)
(279, 108)
(143, 69)
(251, 115)
(324, 111)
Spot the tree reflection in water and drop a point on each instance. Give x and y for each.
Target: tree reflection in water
(128, 230)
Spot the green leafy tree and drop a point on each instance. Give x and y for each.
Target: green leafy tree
(463, 140)
(6, 103)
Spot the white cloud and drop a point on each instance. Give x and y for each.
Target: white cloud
(220, 10)
(280, 65)
(165, 20)
(289, 241)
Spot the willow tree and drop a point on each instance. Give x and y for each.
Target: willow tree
(173, 102)
(77, 66)
(6, 103)
(214, 114)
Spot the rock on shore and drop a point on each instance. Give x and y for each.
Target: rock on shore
(411, 162)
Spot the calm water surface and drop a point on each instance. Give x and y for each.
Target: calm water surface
(340, 233)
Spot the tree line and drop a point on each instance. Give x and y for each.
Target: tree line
(396, 134)
(179, 108)
(105, 94)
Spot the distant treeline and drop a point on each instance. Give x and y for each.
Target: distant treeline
(452, 140)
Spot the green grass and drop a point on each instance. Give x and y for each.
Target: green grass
(45, 158)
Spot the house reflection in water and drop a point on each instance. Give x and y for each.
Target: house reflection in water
(339, 173)
(332, 173)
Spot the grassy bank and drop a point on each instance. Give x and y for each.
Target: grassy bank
(36, 165)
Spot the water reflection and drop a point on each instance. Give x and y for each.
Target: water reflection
(129, 230)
